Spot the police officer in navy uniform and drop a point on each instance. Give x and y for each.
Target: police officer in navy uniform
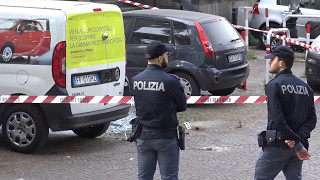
(291, 113)
(158, 97)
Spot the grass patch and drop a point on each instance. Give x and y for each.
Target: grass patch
(253, 41)
(303, 76)
(182, 117)
(251, 55)
(194, 113)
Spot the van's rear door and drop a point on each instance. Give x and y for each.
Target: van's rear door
(95, 56)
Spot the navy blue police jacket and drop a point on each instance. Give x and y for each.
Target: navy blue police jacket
(158, 96)
(291, 107)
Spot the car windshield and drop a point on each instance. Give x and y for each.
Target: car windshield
(7, 24)
(220, 32)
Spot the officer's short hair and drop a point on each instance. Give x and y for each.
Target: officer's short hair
(287, 62)
(284, 53)
(155, 49)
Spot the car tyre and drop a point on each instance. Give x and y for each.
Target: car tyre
(191, 87)
(24, 128)
(7, 53)
(222, 92)
(263, 37)
(92, 131)
(274, 43)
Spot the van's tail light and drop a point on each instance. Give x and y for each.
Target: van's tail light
(206, 44)
(59, 64)
(125, 45)
(255, 9)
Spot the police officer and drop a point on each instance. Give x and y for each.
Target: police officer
(158, 97)
(291, 113)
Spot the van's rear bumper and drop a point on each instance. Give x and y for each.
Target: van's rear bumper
(59, 116)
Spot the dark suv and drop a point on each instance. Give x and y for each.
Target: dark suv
(206, 52)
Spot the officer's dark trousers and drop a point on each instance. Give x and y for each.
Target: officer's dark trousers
(272, 160)
(165, 151)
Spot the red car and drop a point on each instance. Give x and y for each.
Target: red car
(23, 38)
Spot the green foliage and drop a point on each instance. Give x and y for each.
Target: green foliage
(251, 55)
(253, 41)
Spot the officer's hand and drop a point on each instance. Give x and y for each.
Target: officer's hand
(290, 143)
(303, 154)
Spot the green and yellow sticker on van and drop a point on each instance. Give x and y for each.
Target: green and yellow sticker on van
(94, 38)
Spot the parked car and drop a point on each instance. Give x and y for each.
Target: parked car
(313, 66)
(23, 38)
(207, 53)
(278, 10)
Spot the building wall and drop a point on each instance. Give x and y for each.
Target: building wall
(217, 7)
(221, 7)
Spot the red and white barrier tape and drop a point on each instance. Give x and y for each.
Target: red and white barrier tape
(307, 46)
(129, 99)
(138, 4)
(251, 29)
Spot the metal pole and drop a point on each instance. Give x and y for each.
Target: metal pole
(308, 37)
(246, 22)
(271, 31)
(267, 20)
(267, 60)
(308, 33)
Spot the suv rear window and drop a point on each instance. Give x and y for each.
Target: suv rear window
(220, 32)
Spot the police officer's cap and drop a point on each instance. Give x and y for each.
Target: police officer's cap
(281, 51)
(155, 49)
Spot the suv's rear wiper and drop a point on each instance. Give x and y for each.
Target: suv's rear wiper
(233, 40)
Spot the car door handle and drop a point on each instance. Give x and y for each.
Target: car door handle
(105, 36)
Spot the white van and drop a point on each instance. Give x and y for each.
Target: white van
(59, 48)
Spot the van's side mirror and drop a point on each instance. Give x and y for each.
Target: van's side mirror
(22, 29)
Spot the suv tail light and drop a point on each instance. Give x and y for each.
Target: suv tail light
(206, 44)
(59, 64)
(255, 9)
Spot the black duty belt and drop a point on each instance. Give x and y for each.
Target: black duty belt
(159, 130)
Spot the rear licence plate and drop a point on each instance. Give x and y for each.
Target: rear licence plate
(235, 57)
(85, 79)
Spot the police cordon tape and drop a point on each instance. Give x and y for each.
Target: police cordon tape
(307, 46)
(138, 4)
(21, 99)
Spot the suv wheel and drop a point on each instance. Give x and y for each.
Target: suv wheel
(274, 43)
(222, 92)
(191, 88)
(263, 36)
(92, 131)
(24, 128)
